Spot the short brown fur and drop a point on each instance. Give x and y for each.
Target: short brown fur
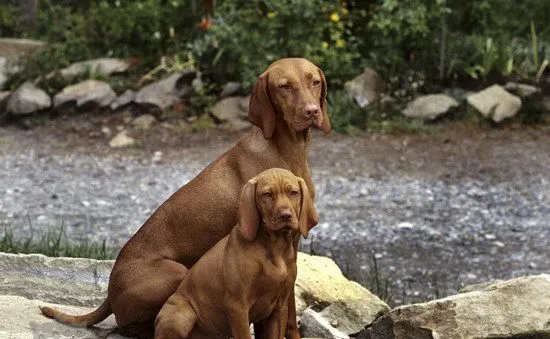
(247, 276)
(289, 97)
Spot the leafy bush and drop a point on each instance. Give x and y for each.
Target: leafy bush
(249, 35)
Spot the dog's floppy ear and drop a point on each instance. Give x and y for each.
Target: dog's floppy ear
(260, 110)
(308, 215)
(249, 218)
(325, 125)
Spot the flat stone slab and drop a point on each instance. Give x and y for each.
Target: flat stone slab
(68, 281)
(22, 319)
(37, 280)
(515, 309)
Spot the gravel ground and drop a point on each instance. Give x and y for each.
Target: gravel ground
(432, 213)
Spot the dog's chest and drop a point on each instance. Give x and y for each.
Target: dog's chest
(273, 288)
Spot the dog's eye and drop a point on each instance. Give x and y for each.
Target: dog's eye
(294, 193)
(316, 83)
(267, 195)
(286, 87)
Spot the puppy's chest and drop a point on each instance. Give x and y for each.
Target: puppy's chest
(278, 271)
(273, 288)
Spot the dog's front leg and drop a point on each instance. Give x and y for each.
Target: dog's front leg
(237, 315)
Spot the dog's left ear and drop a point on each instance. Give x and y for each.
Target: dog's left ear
(249, 217)
(308, 215)
(325, 125)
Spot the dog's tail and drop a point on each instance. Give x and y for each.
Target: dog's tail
(92, 318)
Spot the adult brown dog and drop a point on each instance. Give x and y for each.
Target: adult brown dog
(247, 276)
(288, 98)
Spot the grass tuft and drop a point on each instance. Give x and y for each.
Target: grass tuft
(55, 244)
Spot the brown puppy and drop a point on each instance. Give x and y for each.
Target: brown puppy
(288, 98)
(249, 275)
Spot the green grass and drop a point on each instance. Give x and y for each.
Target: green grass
(55, 244)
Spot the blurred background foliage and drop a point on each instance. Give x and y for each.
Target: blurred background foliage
(447, 42)
(445, 39)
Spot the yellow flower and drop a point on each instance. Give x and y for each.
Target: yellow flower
(325, 44)
(334, 17)
(340, 43)
(345, 11)
(271, 15)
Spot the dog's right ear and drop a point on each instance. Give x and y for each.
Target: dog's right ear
(249, 217)
(260, 109)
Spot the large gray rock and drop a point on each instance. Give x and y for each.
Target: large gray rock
(72, 281)
(102, 66)
(523, 90)
(232, 112)
(429, 107)
(517, 308)
(164, 93)
(366, 87)
(22, 319)
(28, 99)
(124, 99)
(320, 282)
(313, 324)
(88, 92)
(495, 102)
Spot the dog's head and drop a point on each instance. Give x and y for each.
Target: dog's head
(275, 200)
(292, 90)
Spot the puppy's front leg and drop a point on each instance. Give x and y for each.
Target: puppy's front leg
(237, 315)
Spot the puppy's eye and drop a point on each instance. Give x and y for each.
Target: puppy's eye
(267, 195)
(316, 83)
(286, 87)
(294, 193)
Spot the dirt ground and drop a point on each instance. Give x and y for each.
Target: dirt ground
(456, 155)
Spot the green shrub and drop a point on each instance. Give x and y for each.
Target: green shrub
(249, 35)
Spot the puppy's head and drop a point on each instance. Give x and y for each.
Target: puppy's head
(294, 90)
(275, 200)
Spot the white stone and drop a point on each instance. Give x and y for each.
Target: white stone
(122, 140)
(28, 99)
(366, 87)
(94, 92)
(495, 103)
(102, 66)
(429, 107)
(517, 308)
(144, 122)
(124, 99)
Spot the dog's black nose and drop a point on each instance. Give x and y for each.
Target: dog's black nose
(285, 216)
(311, 111)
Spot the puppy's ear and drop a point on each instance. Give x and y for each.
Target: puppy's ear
(325, 125)
(249, 218)
(260, 110)
(308, 215)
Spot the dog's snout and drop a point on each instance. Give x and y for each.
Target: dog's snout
(285, 214)
(311, 111)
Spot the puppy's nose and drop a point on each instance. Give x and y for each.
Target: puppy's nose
(311, 111)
